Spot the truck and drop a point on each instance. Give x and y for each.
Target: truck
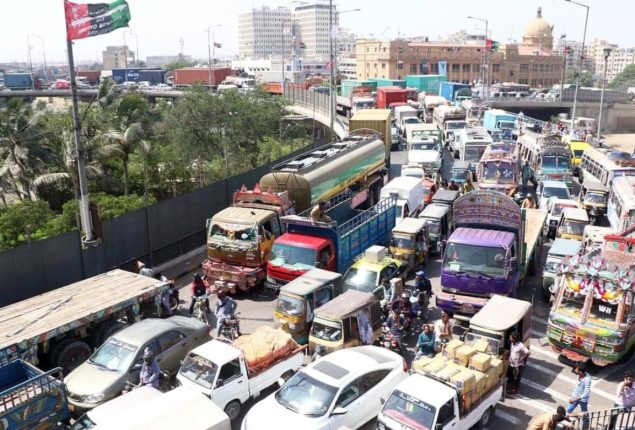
(92, 76)
(186, 77)
(493, 247)
(389, 95)
(360, 97)
(348, 84)
(29, 397)
(449, 119)
(499, 168)
(359, 163)
(429, 103)
(424, 148)
(405, 115)
(152, 75)
(469, 145)
(384, 82)
(240, 237)
(449, 90)
(409, 194)
(374, 119)
(60, 328)
(18, 81)
(135, 74)
(232, 373)
(498, 119)
(331, 246)
(425, 83)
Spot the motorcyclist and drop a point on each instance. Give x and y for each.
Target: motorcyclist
(225, 310)
(150, 370)
(420, 306)
(404, 307)
(529, 202)
(453, 186)
(395, 325)
(168, 294)
(423, 284)
(199, 288)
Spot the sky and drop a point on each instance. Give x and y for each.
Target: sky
(158, 25)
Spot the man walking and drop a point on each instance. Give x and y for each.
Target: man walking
(625, 397)
(581, 392)
(518, 355)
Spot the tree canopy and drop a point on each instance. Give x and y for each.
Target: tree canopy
(624, 80)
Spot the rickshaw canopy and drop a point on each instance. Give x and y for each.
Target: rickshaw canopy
(311, 281)
(409, 226)
(500, 313)
(344, 305)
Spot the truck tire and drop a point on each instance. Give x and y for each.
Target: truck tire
(233, 410)
(486, 417)
(69, 353)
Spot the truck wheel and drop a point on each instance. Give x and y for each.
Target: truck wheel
(233, 409)
(70, 353)
(485, 419)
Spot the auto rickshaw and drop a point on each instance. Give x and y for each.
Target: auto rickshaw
(406, 239)
(593, 199)
(593, 237)
(353, 318)
(299, 298)
(439, 221)
(490, 327)
(572, 223)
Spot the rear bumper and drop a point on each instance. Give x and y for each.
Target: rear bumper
(240, 277)
(462, 307)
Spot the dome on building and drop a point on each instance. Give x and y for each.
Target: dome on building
(538, 33)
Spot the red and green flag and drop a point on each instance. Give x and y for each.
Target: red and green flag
(491, 45)
(88, 20)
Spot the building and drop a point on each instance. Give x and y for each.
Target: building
(616, 62)
(572, 50)
(347, 67)
(260, 32)
(313, 21)
(114, 57)
(532, 62)
(162, 60)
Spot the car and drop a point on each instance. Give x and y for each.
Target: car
(369, 271)
(163, 87)
(104, 375)
(551, 189)
(344, 389)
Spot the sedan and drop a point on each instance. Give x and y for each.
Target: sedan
(344, 389)
(104, 375)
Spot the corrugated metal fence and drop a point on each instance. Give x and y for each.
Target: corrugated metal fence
(154, 235)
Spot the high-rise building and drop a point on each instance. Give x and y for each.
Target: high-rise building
(313, 20)
(616, 62)
(260, 32)
(114, 57)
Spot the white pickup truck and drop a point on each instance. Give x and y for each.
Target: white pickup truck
(219, 370)
(424, 402)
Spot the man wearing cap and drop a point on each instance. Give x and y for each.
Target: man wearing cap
(422, 284)
(549, 421)
(150, 370)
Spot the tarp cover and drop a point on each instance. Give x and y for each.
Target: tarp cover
(264, 347)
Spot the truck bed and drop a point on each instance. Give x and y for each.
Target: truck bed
(472, 417)
(47, 315)
(534, 220)
(267, 377)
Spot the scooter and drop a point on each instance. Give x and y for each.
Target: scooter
(200, 310)
(164, 383)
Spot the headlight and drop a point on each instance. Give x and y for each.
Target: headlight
(94, 398)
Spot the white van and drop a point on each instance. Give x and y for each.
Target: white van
(409, 193)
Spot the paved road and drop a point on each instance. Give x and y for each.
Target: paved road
(547, 382)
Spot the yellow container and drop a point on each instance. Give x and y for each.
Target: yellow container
(480, 361)
(422, 362)
(464, 381)
(492, 378)
(463, 354)
(450, 348)
(481, 345)
(448, 371)
(497, 364)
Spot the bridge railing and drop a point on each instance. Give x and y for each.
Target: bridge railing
(319, 104)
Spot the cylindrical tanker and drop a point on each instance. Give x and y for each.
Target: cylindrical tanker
(322, 173)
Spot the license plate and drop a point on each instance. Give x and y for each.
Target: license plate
(467, 308)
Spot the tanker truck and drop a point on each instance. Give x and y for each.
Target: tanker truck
(240, 238)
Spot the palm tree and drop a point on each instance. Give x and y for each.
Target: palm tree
(127, 143)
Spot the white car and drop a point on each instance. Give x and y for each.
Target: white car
(549, 189)
(345, 389)
(163, 87)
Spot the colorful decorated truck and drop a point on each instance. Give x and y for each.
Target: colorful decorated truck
(499, 168)
(593, 317)
(493, 247)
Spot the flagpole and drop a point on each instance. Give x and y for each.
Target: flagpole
(213, 48)
(209, 60)
(84, 210)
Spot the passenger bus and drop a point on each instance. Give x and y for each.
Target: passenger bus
(597, 164)
(621, 205)
(549, 158)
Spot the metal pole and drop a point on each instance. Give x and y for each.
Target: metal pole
(577, 85)
(606, 62)
(485, 54)
(564, 68)
(332, 64)
(213, 49)
(125, 54)
(84, 211)
(282, 57)
(28, 42)
(209, 59)
(136, 37)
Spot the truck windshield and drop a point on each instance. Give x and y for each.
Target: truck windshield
(428, 146)
(604, 313)
(365, 105)
(595, 198)
(558, 192)
(473, 153)
(409, 411)
(434, 227)
(555, 162)
(290, 305)
(411, 120)
(552, 265)
(475, 338)
(199, 370)
(232, 232)
(459, 175)
(413, 173)
(114, 355)
(483, 260)
(571, 303)
(557, 209)
(456, 125)
(324, 330)
(575, 228)
(506, 125)
(495, 172)
(405, 242)
(289, 255)
(306, 395)
(360, 279)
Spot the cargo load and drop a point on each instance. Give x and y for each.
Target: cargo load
(265, 346)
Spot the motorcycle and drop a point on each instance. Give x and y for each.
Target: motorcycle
(391, 342)
(230, 328)
(200, 308)
(173, 296)
(164, 383)
(423, 313)
(519, 197)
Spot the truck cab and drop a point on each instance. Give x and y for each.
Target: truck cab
(409, 194)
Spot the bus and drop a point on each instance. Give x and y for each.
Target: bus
(621, 205)
(549, 158)
(577, 149)
(599, 164)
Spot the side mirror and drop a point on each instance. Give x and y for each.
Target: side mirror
(220, 383)
(318, 264)
(382, 400)
(339, 411)
(438, 427)
(208, 221)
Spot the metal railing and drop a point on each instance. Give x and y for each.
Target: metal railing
(319, 103)
(608, 419)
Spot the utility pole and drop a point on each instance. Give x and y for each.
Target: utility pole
(28, 42)
(282, 57)
(579, 69)
(333, 91)
(125, 54)
(607, 54)
(209, 53)
(564, 64)
(485, 54)
(398, 52)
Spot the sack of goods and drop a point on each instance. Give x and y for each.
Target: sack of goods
(264, 347)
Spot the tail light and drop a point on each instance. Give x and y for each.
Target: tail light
(405, 365)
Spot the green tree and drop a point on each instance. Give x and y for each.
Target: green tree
(586, 78)
(179, 64)
(624, 80)
(24, 222)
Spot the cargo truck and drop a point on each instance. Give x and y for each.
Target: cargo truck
(449, 90)
(92, 76)
(360, 97)
(331, 246)
(18, 81)
(425, 83)
(349, 84)
(240, 237)
(374, 119)
(386, 96)
(494, 246)
(405, 115)
(187, 77)
(497, 119)
(29, 397)
(60, 328)
(499, 168)
(383, 82)
(450, 120)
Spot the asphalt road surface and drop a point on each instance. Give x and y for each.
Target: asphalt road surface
(547, 382)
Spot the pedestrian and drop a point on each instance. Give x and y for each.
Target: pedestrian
(582, 391)
(549, 421)
(625, 397)
(525, 175)
(518, 355)
(453, 186)
(425, 342)
(144, 270)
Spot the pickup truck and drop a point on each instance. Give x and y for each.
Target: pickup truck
(219, 370)
(29, 397)
(424, 401)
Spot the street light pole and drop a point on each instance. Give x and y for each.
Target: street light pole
(209, 53)
(28, 42)
(43, 56)
(333, 90)
(136, 45)
(564, 64)
(607, 54)
(579, 69)
(484, 53)
(125, 54)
